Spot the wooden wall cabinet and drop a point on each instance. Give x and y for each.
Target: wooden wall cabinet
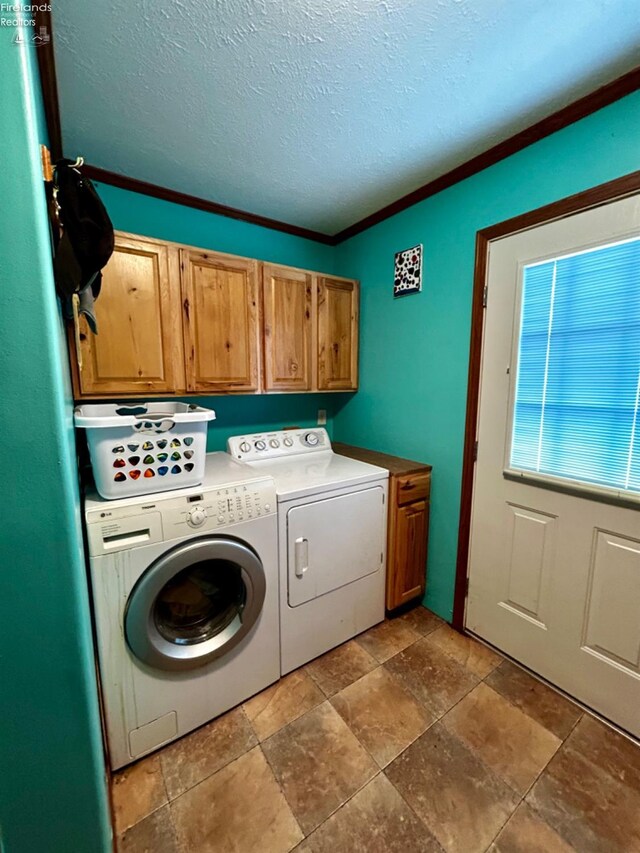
(288, 306)
(138, 349)
(221, 321)
(408, 522)
(338, 308)
(174, 319)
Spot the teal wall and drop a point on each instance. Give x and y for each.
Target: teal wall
(415, 350)
(153, 217)
(238, 415)
(52, 786)
(141, 214)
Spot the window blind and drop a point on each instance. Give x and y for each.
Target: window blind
(577, 403)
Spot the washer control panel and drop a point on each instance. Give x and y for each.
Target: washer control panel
(271, 445)
(162, 517)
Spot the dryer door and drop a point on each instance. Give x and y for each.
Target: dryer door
(195, 603)
(334, 541)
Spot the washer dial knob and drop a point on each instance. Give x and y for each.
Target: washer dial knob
(260, 444)
(245, 447)
(274, 443)
(311, 439)
(288, 442)
(196, 516)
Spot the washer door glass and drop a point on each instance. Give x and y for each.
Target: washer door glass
(195, 603)
(199, 602)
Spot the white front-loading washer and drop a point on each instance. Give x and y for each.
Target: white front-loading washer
(332, 528)
(185, 594)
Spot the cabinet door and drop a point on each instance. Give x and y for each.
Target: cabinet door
(221, 321)
(287, 305)
(337, 334)
(138, 347)
(407, 564)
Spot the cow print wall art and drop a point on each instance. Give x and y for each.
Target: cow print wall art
(408, 272)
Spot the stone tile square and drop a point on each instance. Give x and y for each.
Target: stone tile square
(240, 809)
(375, 820)
(468, 652)
(340, 667)
(525, 832)
(458, 797)
(154, 834)
(284, 701)
(199, 754)
(588, 807)
(382, 713)
(137, 791)
(434, 677)
(422, 620)
(510, 742)
(545, 705)
(385, 640)
(614, 753)
(319, 763)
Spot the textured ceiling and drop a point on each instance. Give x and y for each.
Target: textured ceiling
(318, 112)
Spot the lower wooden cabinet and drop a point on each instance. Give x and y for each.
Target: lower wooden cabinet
(408, 522)
(406, 567)
(174, 319)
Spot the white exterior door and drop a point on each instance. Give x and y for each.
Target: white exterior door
(554, 563)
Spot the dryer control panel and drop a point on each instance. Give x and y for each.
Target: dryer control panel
(271, 445)
(162, 517)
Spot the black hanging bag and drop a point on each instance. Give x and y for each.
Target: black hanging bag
(87, 239)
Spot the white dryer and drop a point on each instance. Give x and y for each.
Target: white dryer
(185, 593)
(332, 529)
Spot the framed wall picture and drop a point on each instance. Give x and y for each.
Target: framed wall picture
(407, 277)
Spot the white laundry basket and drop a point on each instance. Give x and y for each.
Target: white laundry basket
(141, 448)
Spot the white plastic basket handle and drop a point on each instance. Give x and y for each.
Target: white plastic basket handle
(137, 416)
(146, 422)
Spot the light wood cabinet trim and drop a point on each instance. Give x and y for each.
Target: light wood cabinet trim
(337, 370)
(134, 331)
(176, 343)
(247, 322)
(287, 304)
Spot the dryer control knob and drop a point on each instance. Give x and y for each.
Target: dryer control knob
(245, 447)
(260, 444)
(311, 439)
(196, 516)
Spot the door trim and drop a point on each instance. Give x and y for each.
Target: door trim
(594, 197)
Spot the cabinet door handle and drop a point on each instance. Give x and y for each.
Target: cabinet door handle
(301, 556)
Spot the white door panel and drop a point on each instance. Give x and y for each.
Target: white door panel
(554, 576)
(323, 553)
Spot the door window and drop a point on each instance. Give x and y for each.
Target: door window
(577, 395)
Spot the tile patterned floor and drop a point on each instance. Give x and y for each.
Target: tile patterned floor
(409, 738)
